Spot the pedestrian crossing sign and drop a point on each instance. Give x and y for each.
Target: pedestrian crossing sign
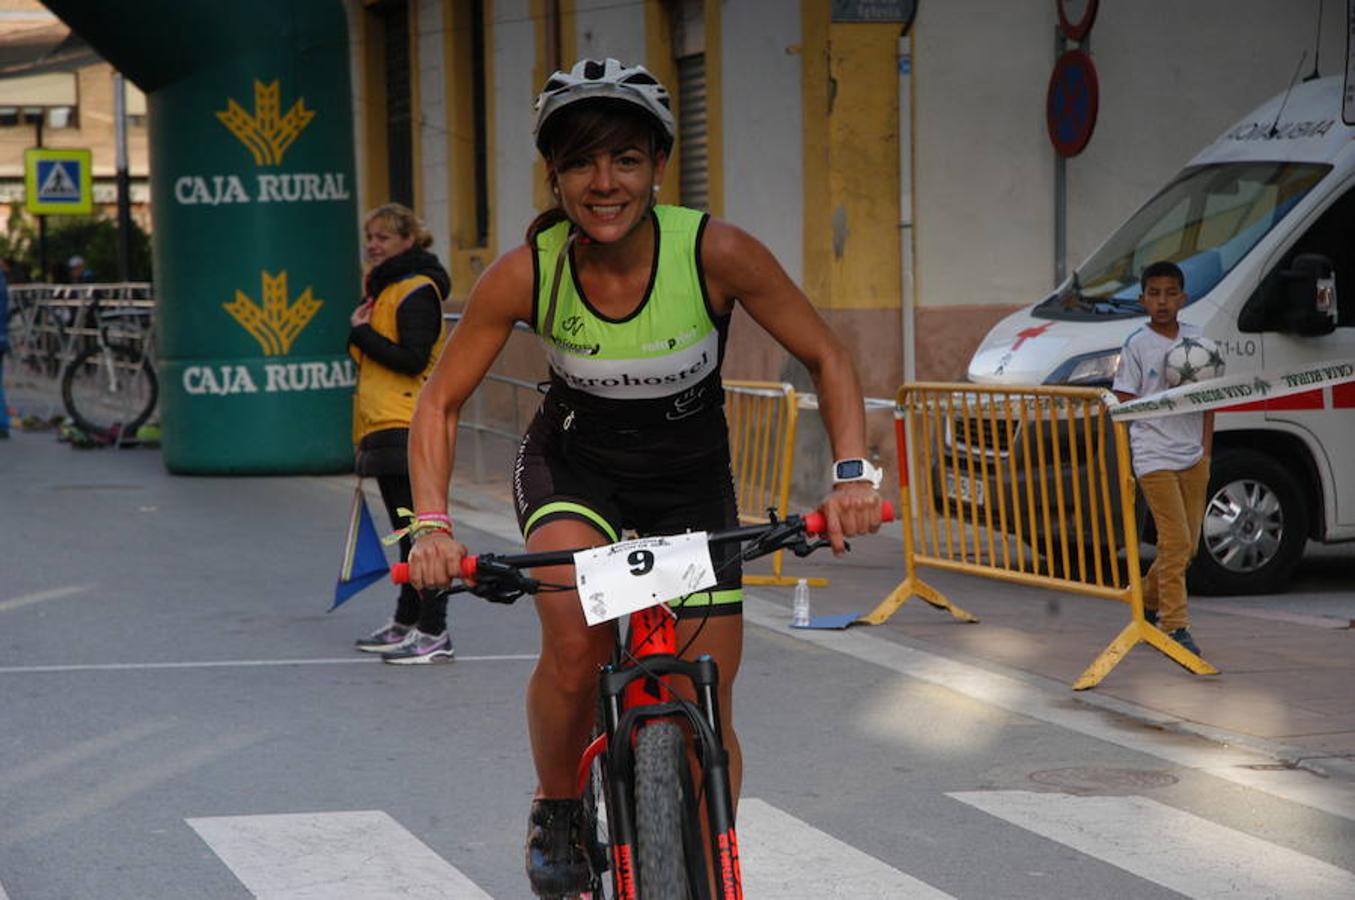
(58, 182)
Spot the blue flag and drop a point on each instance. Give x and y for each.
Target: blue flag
(364, 562)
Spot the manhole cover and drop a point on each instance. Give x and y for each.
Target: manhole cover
(1095, 779)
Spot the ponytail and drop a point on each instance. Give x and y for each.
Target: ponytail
(544, 220)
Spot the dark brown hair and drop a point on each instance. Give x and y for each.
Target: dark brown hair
(583, 129)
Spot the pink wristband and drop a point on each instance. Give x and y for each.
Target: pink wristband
(433, 517)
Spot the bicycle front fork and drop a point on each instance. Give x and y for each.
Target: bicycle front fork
(622, 716)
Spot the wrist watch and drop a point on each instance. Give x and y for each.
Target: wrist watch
(847, 470)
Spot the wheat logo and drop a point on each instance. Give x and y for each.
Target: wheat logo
(276, 323)
(266, 133)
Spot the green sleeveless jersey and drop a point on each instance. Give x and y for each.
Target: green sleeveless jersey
(665, 355)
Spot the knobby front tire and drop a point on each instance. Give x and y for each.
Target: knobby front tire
(108, 386)
(668, 832)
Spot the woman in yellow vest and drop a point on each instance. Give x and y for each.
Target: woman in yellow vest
(396, 336)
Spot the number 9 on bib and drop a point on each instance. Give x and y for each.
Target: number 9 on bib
(628, 576)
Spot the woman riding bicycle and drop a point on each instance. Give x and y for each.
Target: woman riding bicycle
(633, 302)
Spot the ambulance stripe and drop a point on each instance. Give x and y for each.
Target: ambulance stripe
(1304, 400)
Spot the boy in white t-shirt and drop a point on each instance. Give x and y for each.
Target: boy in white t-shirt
(1171, 453)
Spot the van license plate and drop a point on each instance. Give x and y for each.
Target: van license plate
(964, 489)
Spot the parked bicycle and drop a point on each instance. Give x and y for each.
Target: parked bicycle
(111, 384)
(639, 767)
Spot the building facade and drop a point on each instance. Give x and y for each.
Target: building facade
(904, 177)
(62, 101)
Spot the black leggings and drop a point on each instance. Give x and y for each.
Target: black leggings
(427, 611)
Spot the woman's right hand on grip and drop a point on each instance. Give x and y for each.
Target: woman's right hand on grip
(436, 560)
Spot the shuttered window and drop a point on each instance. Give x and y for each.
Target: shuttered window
(693, 183)
(399, 103)
(689, 51)
(478, 124)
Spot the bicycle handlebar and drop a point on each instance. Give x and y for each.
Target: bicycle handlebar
(812, 524)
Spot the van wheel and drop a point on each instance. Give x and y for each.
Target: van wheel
(1255, 527)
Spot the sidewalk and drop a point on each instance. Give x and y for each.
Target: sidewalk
(1284, 683)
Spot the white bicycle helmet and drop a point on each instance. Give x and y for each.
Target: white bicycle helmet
(605, 79)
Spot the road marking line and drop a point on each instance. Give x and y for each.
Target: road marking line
(782, 856)
(1164, 845)
(122, 786)
(332, 856)
(238, 663)
(1335, 796)
(39, 596)
(81, 751)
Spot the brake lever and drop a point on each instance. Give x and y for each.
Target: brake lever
(783, 536)
(493, 577)
(496, 594)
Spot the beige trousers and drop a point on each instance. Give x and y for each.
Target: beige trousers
(1176, 499)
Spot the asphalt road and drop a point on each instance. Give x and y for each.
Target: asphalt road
(181, 717)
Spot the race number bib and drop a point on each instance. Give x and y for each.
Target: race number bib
(622, 578)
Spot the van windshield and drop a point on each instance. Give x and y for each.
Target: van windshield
(1205, 221)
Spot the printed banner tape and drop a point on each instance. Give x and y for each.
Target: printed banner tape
(1217, 393)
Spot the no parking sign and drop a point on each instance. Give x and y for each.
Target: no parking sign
(1071, 103)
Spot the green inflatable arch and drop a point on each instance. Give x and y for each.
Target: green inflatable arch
(253, 193)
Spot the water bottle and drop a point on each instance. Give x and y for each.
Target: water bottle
(800, 611)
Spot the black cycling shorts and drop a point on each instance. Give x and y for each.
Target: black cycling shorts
(656, 480)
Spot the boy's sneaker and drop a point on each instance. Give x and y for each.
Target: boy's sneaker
(419, 648)
(387, 637)
(1150, 616)
(1182, 637)
(557, 860)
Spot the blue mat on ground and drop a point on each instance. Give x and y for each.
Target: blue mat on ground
(838, 621)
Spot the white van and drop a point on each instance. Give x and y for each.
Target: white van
(1255, 221)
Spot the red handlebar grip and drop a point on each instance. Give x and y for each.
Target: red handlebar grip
(400, 570)
(817, 523)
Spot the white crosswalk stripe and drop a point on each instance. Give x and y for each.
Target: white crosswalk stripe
(781, 856)
(345, 855)
(363, 855)
(1167, 846)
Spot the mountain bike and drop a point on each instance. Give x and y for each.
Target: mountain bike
(638, 768)
(111, 384)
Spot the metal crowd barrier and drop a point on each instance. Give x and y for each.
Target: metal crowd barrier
(762, 418)
(49, 324)
(1028, 485)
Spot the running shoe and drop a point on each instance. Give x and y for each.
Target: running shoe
(419, 649)
(1183, 637)
(387, 637)
(557, 861)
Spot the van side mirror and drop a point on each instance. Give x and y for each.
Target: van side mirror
(1300, 300)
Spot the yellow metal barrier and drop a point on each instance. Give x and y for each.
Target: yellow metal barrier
(1029, 485)
(762, 419)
